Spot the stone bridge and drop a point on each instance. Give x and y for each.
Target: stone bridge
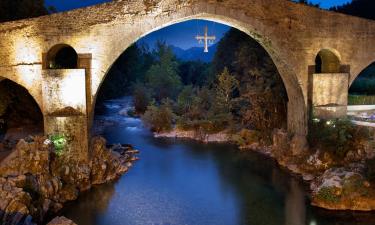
(318, 53)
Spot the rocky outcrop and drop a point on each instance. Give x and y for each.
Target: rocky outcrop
(191, 134)
(343, 188)
(36, 182)
(61, 221)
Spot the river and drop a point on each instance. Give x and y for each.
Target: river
(181, 182)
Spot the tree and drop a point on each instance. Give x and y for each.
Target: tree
(21, 9)
(306, 2)
(162, 78)
(185, 99)
(159, 118)
(129, 68)
(141, 98)
(361, 8)
(226, 84)
(260, 99)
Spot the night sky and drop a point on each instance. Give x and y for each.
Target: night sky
(180, 35)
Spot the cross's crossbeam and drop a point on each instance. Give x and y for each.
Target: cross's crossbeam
(205, 38)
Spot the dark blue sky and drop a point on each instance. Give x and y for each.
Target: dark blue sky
(181, 34)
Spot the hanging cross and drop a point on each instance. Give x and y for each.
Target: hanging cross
(206, 38)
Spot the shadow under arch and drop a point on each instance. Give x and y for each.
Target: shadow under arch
(364, 82)
(20, 114)
(297, 107)
(327, 61)
(61, 56)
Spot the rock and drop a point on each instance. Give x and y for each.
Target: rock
(299, 145)
(61, 221)
(280, 142)
(50, 181)
(343, 188)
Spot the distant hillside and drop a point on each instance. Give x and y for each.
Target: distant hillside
(195, 53)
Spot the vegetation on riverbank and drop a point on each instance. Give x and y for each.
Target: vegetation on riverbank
(229, 94)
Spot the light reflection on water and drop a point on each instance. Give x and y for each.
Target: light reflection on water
(179, 182)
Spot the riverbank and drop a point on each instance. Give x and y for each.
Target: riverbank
(36, 182)
(332, 186)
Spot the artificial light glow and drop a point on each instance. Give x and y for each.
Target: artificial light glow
(316, 120)
(65, 88)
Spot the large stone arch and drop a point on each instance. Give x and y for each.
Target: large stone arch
(116, 45)
(32, 85)
(33, 109)
(359, 68)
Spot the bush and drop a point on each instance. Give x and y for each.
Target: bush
(159, 118)
(361, 100)
(141, 98)
(338, 136)
(327, 194)
(246, 137)
(59, 141)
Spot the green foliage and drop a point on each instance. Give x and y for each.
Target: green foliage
(260, 100)
(162, 77)
(361, 8)
(141, 98)
(247, 137)
(363, 86)
(129, 68)
(159, 118)
(338, 136)
(186, 99)
(195, 73)
(327, 194)
(21, 9)
(361, 100)
(60, 142)
(224, 88)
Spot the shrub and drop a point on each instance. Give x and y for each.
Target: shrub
(246, 137)
(159, 118)
(141, 98)
(338, 136)
(59, 141)
(327, 194)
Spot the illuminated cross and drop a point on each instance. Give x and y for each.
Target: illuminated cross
(206, 38)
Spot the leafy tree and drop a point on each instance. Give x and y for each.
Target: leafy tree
(162, 78)
(141, 98)
(159, 118)
(129, 67)
(21, 9)
(185, 99)
(226, 84)
(260, 99)
(194, 73)
(306, 2)
(361, 8)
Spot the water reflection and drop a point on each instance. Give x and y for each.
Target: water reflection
(183, 182)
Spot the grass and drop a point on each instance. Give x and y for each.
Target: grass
(361, 100)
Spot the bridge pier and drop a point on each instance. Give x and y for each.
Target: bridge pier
(65, 110)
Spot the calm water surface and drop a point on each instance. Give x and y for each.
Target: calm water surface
(179, 182)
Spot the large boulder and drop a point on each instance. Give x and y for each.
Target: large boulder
(61, 221)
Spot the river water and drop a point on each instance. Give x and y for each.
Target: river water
(181, 182)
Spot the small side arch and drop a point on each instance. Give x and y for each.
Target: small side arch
(327, 61)
(61, 56)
